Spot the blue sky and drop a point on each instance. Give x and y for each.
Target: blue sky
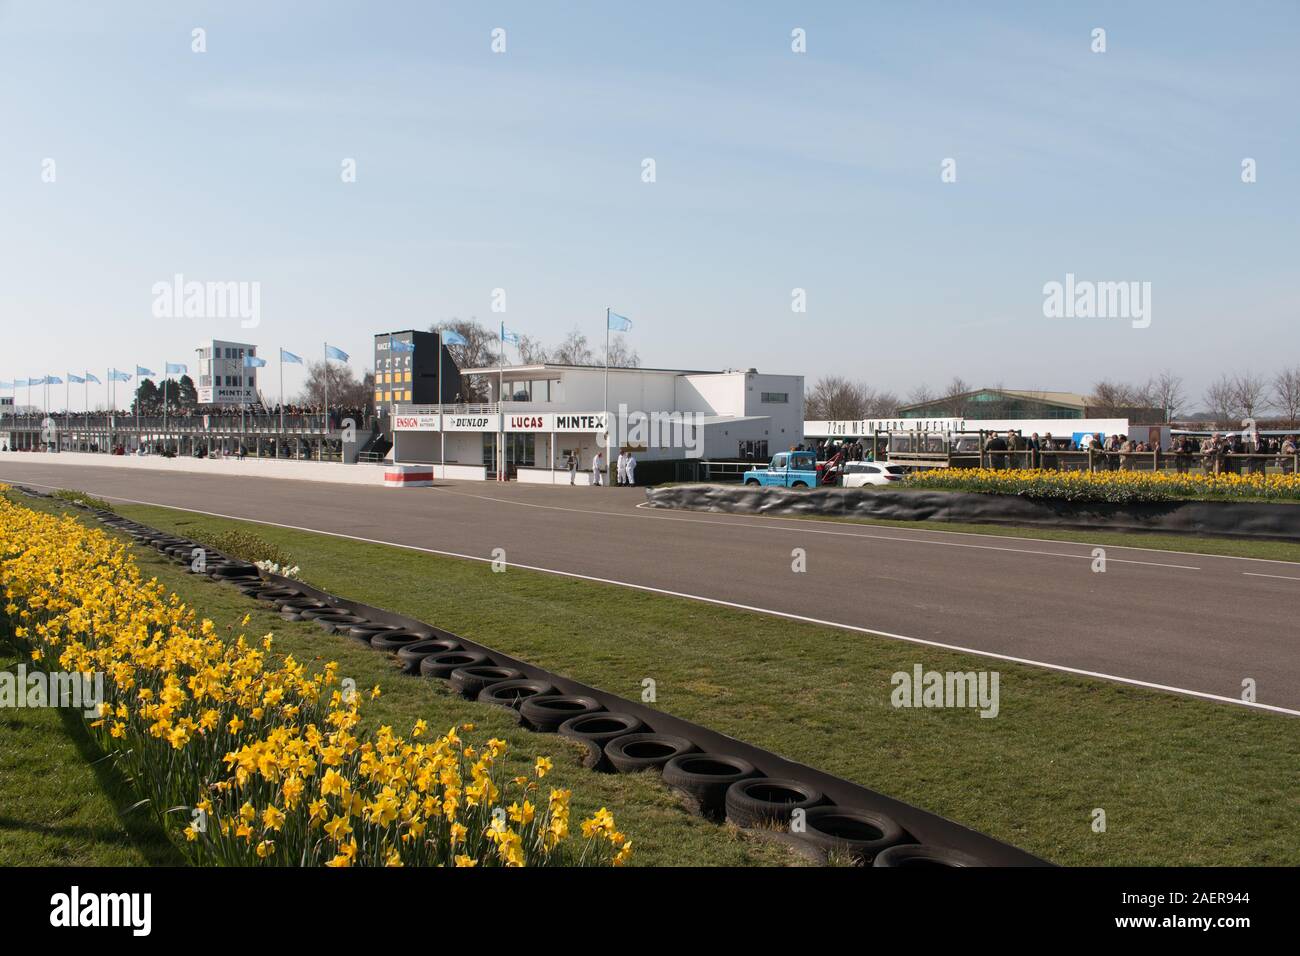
(775, 170)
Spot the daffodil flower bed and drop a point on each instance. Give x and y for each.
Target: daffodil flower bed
(248, 758)
(1117, 487)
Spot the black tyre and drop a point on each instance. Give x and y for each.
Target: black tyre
(705, 778)
(322, 610)
(768, 801)
(276, 595)
(337, 624)
(601, 728)
(411, 655)
(441, 665)
(393, 641)
(368, 631)
(751, 483)
(860, 834)
(512, 693)
(918, 855)
(235, 569)
(546, 712)
(632, 753)
(470, 681)
(301, 605)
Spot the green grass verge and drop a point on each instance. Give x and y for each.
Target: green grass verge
(61, 803)
(1181, 781)
(664, 833)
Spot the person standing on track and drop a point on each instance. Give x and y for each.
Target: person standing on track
(630, 469)
(572, 464)
(597, 467)
(621, 468)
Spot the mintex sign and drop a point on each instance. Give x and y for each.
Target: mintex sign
(556, 422)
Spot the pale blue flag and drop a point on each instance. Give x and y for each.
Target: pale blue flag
(332, 352)
(619, 323)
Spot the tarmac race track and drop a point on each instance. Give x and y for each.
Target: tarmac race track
(1188, 623)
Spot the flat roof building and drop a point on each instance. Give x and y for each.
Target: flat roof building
(1002, 404)
(553, 410)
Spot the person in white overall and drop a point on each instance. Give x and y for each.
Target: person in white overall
(622, 468)
(597, 468)
(629, 469)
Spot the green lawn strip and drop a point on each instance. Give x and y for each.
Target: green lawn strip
(1181, 781)
(61, 802)
(664, 833)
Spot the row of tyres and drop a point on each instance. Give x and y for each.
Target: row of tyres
(718, 777)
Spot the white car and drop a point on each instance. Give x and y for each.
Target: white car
(858, 474)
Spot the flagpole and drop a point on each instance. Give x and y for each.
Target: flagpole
(325, 351)
(608, 463)
(501, 405)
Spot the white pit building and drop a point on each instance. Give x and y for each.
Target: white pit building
(550, 410)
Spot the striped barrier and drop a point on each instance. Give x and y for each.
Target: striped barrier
(408, 476)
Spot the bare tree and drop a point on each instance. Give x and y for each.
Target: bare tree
(1286, 394)
(1249, 392)
(573, 350)
(920, 395)
(1167, 393)
(482, 346)
(878, 404)
(620, 356)
(835, 399)
(1111, 398)
(531, 351)
(345, 389)
(482, 349)
(956, 398)
(1221, 401)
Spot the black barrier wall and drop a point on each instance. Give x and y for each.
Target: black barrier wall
(1213, 518)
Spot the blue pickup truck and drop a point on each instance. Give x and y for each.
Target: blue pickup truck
(789, 469)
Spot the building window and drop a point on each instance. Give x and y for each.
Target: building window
(775, 398)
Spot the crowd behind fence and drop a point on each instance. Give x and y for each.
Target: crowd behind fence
(1215, 453)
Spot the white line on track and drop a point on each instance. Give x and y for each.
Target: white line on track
(1130, 681)
(737, 522)
(1281, 577)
